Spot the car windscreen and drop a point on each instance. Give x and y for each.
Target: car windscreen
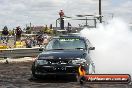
(66, 43)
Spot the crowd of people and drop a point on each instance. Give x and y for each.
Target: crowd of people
(29, 41)
(37, 40)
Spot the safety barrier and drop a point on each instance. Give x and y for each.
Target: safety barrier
(19, 52)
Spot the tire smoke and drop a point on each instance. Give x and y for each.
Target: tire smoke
(113, 47)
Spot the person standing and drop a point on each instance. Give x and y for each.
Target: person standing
(18, 33)
(5, 34)
(61, 13)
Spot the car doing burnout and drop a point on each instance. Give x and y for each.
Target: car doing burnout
(64, 55)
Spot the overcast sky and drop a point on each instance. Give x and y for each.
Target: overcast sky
(41, 12)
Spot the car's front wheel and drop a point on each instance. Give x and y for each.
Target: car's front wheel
(33, 72)
(34, 75)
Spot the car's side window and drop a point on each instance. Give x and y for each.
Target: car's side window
(49, 46)
(56, 44)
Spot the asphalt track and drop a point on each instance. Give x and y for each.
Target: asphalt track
(18, 75)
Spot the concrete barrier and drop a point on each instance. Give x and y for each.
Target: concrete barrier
(19, 52)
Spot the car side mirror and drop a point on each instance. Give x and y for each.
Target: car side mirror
(91, 48)
(42, 48)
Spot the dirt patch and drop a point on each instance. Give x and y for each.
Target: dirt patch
(18, 75)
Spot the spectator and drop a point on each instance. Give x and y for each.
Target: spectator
(28, 43)
(5, 34)
(40, 40)
(18, 33)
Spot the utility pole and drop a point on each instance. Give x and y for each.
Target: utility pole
(112, 15)
(30, 30)
(86, 21)
(30, 25)
(56, 23)
(100, 12)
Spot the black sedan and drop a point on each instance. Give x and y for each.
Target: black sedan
(64, 55)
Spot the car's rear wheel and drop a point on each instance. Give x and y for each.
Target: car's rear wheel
(82, 80)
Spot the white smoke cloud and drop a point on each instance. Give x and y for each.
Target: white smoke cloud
(113, 47)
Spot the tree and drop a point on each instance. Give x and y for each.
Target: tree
(10, 32)
(28, 30)
(51, 26)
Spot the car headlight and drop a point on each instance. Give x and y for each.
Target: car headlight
(79, 61)
(41, 62)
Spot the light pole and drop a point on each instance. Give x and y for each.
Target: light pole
(100, 12)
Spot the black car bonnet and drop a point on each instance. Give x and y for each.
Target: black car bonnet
(63, 54)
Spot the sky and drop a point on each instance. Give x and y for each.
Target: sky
(44, 12)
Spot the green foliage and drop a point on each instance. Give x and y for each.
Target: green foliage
(11, 32)
(28, 30)
(5, 28)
